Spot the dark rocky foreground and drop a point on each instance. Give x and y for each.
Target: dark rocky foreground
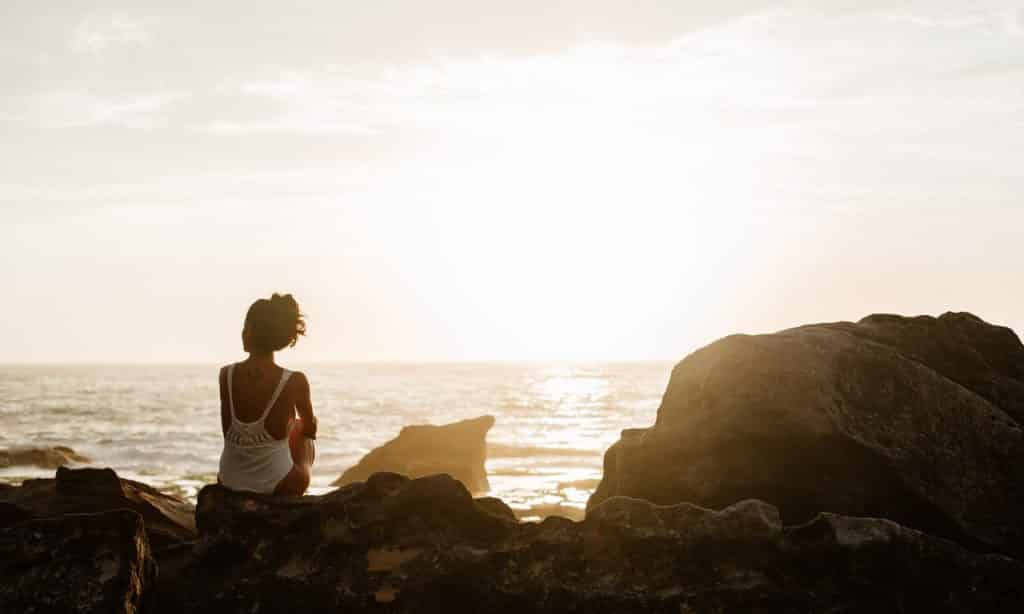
(917, 420)
(398, 545)
(168, 520)
(458, 449)
(392, 544)
(869, 467)
(87, 563)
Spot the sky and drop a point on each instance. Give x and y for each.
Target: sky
(464, 180)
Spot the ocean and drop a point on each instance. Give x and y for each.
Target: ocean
(161, 424)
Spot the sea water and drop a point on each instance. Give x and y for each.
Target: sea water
(161, 424)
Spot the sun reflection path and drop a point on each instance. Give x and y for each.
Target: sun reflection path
(571, 387)
(558, 464)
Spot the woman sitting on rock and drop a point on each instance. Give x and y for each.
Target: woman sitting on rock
(266, 448)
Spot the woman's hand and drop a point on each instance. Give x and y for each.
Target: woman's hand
(309, 428)
(304, 406)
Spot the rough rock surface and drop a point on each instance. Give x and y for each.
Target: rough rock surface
(168, 520)
(395, 545)
(47, 458)
(458, 449)
(81, 563)
(917, 420)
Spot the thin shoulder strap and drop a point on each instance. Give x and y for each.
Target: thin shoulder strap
(285, 374)
(231, 400)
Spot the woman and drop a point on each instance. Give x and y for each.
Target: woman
(266, 449)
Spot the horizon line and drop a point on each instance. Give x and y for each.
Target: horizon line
(489, 361)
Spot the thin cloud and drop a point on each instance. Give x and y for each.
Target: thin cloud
(1006, 21)
(78, 108)
(302, 125)
(956, 22)
(305, 181)
(92, 36)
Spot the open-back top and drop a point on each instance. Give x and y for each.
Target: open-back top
(253, 459)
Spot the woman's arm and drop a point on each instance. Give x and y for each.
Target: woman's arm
(225, 411)
(304, 406)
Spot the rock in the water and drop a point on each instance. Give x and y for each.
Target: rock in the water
(458, 449)
(917, 420)
(78, 563)
(168, 520)
(397, 545)
(47, 458)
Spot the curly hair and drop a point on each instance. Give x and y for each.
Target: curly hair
(274, 323)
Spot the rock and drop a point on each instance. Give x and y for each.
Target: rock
(275, 546)
(912, 419)
(981, 357)
(11, 514)
(403, 510)
(168, 520)
(750, 521)
(496, 507)
(79, 563)
(47, 458)
(398, 545)
(458, 449)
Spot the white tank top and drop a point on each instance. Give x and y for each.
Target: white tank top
(253, 459)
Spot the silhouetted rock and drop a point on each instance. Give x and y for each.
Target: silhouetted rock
(168, 520)
(47, 458)
(397, 545)
(77, 563)
(458, 449)
(912, 419)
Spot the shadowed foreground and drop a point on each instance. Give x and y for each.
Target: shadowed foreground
(391, 544)
(425, 545)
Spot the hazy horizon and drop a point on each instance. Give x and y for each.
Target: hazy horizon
(351, 363)
(461, 182)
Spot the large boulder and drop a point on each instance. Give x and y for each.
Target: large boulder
(47, 458)
(458, 449)
(318, 553)
(168, 520)
(917, 420)
(77, 563)
(398, 545)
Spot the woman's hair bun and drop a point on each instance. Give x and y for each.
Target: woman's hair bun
(274, 323)
(285, 302)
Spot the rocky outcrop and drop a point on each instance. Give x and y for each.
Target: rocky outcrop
(917, 420)
(168, 520)
(458, 449)
(46, 458)
(398, 545)
(391, 544)
(77, 563)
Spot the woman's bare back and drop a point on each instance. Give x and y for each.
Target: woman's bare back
(252, 387)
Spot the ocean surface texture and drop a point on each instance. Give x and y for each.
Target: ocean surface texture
(161, 424)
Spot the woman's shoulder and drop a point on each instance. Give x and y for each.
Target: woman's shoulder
(222, 381)
(297, 382)
(222, 373)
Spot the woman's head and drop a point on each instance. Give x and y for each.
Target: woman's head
(273, 324)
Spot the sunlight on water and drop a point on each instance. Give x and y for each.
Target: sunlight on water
(161, 425)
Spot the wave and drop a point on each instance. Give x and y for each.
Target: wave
(501, 450)
(536, 513)
(587, 484)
